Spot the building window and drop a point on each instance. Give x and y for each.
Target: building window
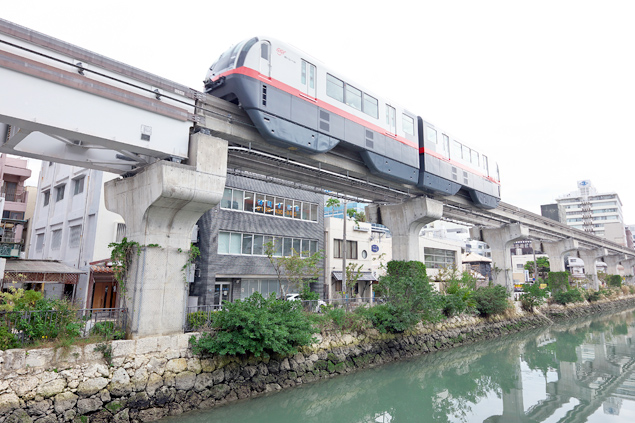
(47, 197)
(250, 244)
(39, 243)
(78, 185)
(74, 236)
(351, 249)
(120, 232)
(56, 239)
(59, 192)
(436, 258)
(236, 199)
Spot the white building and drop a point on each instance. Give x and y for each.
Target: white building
(71, 223)
(366, 244)
(598, 213)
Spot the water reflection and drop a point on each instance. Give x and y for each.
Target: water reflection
(574, 373)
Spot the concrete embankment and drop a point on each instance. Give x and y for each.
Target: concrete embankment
(150, 378)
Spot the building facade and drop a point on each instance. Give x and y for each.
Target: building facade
(599, 213)
(13, 173)
(71, 224)
(367, 245)
(232, 239)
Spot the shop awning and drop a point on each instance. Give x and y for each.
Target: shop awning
(40, 271)
(365, 277)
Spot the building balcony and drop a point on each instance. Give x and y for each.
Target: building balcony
(9, 248)
(15, 196)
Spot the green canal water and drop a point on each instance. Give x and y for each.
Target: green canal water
(578, 372)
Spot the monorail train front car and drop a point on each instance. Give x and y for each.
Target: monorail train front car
(296, 102)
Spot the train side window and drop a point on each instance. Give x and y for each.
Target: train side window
(371, 106)
(264, 51)
(475, 158)
(431, 135)
(390, 119)
(334, 88)
(408, 125)
(353, 97)
(485, 166)
(466, 153)
(455, 153)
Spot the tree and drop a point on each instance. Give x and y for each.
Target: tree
(543, 267)
(298, 271)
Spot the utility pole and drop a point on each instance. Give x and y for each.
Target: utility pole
(344, 253)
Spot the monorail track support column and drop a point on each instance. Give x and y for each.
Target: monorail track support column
(556, 252)
(612, 261)
(160, 205)
(405, 222)
(628, 268)
(501, 240)
(589, 257)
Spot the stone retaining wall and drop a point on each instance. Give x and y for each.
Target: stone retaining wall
(151, 378)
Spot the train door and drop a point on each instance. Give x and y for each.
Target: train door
(446, 146)
(308, 78)
(391, 119)
(265, 59)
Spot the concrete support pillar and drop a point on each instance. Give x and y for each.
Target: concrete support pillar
(160, 205)
(556, 252)
(405, 221)
(501, 241)
(628, 266)
(612, 261)
(589, 257)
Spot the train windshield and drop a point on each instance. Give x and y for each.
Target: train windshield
(226, 60)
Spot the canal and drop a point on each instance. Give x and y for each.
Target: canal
(576, 372)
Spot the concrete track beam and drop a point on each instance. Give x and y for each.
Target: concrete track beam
(160, 205)
(501, 240)
(405, 222)
(556, 252)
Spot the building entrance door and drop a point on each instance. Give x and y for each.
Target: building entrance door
(221, 293)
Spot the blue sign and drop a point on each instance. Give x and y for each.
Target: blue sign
(374, 248)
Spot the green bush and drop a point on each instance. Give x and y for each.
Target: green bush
(7, 339)
(107, 330)
(200, 319)
(570, 296)
(558, 281)
(491, 300)
(592, 295)
(259, 326)
(458, 298)
(410, 298)
(614, 280)
(533, 296)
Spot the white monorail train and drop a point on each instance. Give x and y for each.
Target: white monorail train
(296, 102)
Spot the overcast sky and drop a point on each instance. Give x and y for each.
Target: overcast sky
(547, 88)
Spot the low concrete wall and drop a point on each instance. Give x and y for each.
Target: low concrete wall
(154, 377)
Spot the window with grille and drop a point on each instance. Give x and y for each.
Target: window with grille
(39, 243)
(74, 236)
(59, 192)
(56, 239)
(78, 185)
(121, 232)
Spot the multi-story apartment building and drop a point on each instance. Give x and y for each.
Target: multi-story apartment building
(13, 173)
(71, 225)
(233, 235)
(592, 211)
